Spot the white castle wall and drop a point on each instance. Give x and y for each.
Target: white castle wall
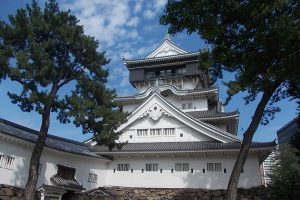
(199, 104)
(166, 179)
(17, 176)
(188, 134)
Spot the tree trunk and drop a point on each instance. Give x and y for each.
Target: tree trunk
(248, 135)
(35, 158)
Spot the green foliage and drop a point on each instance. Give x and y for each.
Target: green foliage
(257, 40)
(285, 176)
(59, 68)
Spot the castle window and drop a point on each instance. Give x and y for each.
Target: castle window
(6, 162)
(123, 167)
(65, 172)
(151, 167)
(214, 167)
(142, 132)
(169, 131)
(182, 167)
(92, 178)
(155, 132)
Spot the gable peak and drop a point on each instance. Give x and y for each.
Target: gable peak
(167, 48)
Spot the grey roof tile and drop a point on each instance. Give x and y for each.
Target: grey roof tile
(177, 146)
(52, 141)
(67, 183)
(211, 114)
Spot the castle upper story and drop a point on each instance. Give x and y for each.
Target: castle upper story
(170, 65)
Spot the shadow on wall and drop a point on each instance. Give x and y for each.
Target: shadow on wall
(198, 179)
(20, 172)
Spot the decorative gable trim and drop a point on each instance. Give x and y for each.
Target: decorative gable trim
(155, 112)
(167, 48)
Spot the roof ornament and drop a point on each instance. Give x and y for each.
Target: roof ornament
(167, 36)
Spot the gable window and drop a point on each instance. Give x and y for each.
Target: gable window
(142, 132)
(92, 178)
(169, 131)
(123, 167)
(214, 167)
(182, 167)
(151, 167)
(66, 172)
(155, 132)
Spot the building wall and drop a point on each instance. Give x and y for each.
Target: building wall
(197, 179)
(183, 133)
(17, 176)
(198, 103)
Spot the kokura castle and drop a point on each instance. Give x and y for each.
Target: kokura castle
(177, 135)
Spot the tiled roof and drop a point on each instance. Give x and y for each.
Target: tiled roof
(54, 142)
(178, 147)
(134, 63)
(101, 191)
(210, 114)
(67, 183)
(180, 92)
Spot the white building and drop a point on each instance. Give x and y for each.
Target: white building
(177, 136)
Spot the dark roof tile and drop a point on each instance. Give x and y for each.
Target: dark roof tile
(52, 141)
(177, 146)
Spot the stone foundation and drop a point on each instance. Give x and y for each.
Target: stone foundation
(189, 194)
(259, 193)
(12, 193)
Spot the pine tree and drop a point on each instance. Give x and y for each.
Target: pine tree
(60, 70)
(258, 41)
(285, 175)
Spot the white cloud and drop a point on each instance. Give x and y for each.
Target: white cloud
(119, 28)
(138, 6)
(133, 21)
(149, 14)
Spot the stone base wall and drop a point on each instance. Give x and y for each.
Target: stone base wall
(259, 193)
(186, 194)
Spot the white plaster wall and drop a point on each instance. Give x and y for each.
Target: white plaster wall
(166, 179)
(188, 84)
(199, 104)
(188, 134)
(18, 175)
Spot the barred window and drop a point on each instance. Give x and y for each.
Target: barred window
(142, 132)
(151, 167)
(182, 167)
(92, 178)
(1, 160)
(155, 132)
(169, 131)
(8, 164)
(123, 167)
(214, 167)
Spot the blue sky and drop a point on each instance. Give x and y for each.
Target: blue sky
(130, 29)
